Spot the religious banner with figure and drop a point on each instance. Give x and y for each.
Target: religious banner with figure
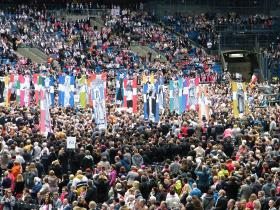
(45, 118)
(98, 96)
(162, 95)
(203, 103)
(120, 80)
(4, 87)
(239, 99)
(151, 105)
(48, 85)
(176, 96)
(192, 102)
(66, 88)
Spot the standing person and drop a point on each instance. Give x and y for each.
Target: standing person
(208, 200)
(53, 181)
(91, 194)
(87, 161)
(8, 200)
(272, 124)
(271, 205)
(203, 176)
(102, 187)
(175, 167)
(19, 186)
(47, 204)
(246, 190)
(232, 188)
(221, 203)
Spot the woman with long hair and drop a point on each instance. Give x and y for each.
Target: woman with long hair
(53, 181)
(47, 205)
(19, 186)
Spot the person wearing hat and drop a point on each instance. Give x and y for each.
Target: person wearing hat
(119, 191)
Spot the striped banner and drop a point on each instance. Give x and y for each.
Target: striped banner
(134, 91)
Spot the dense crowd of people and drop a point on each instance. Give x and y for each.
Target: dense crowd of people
(272, 55)
(225, 164)
(205, 28)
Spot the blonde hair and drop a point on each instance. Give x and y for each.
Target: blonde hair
(92, 205)
(19, 178)
(135, 185)
(257, 204)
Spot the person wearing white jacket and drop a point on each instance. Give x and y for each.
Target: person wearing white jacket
(172, 200)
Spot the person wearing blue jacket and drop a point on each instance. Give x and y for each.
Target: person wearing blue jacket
(203, 177)
(36, 188)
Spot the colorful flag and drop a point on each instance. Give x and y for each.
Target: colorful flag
(23, 90)
(66, 88)
(37, 81)
(81, 88)
(130, 95)
(45, 118)
(240, 102)
(134, 99)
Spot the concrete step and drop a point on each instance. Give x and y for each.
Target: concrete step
(97, 22)
(32, 54)
(39, 53)
(145, 50)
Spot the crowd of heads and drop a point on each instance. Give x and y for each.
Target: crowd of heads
(177, 163)
(205, 28)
